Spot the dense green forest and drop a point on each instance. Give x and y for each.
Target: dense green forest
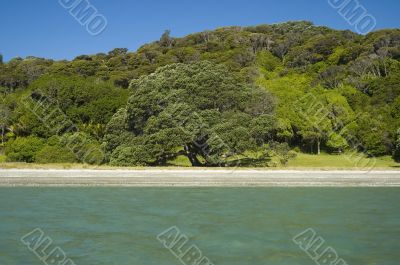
(232, 96)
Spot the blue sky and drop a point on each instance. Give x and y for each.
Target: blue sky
(45, 29)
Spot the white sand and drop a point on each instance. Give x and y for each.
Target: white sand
(200, 178)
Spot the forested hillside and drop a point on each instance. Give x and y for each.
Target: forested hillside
(232, 96)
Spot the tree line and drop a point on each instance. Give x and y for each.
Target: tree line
(234, 94)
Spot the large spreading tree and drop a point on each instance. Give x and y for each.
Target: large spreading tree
(201, 110)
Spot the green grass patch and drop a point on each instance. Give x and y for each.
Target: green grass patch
(181, 161)
(302, 161)
(350, 160)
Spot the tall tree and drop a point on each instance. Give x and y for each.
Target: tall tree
(166, 40)
(4, 121)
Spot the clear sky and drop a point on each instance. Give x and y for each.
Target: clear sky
(44, 28)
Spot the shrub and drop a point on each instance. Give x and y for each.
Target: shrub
(55, 152)
(336, 142)
(85, 148)
(283, 153)
(23, 149)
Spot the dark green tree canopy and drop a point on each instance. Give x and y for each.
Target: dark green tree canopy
(201, 110)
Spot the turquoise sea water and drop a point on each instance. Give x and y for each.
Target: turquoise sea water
(229, 225)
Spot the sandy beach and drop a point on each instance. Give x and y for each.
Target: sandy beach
(199, 178)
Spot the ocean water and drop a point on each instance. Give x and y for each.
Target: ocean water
(228, 225)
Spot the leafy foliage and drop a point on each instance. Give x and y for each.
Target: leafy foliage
(201, 110)
(23, 149)
(212, 78)
(55, 152)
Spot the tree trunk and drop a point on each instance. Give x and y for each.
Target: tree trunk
(319, 146)
(192, 157)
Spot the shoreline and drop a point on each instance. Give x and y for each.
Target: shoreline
(86, 167)
(197, 178)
